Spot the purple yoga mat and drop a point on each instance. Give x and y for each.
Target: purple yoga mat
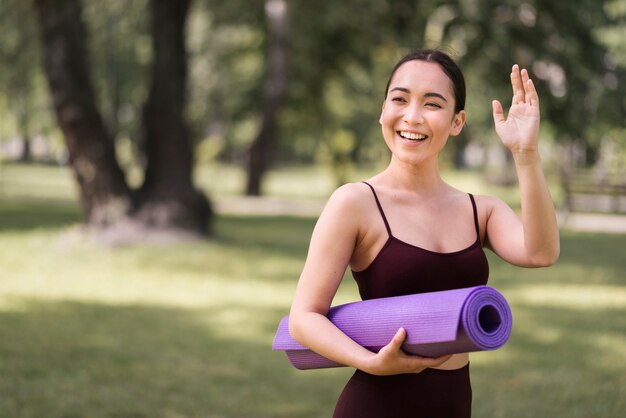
(452, 321)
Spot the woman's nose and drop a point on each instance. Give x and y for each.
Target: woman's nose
(413, 115)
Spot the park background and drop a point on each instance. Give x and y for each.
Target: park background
(162, 164)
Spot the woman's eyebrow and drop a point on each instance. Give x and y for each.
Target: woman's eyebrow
(429, 94)
(432, 94)
(402, 89)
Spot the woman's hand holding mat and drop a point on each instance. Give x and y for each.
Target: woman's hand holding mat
(436, 324)
(391, 359)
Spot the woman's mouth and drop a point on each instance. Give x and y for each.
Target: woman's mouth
(412, 136)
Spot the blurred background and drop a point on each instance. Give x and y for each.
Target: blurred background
(162, 164)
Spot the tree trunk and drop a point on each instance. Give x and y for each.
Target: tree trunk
(167, 207)
(104, 195)
(167, 198)
(274, 89)
(23, 104)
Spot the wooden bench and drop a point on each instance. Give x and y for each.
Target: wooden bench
(593, 191)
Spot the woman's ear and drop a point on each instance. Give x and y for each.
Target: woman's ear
(458, 122)
(382, 109)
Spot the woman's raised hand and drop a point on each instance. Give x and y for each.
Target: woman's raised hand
(520, 129)
(392, 360)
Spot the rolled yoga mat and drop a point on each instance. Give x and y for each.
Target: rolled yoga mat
(447, 322)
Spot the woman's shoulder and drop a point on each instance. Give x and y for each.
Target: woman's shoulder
(350, 195)
(487, 201)
(487, 205)
(346, 209)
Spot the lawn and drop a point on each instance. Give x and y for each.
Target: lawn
(186, 331)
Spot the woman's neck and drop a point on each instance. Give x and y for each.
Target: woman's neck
(423, 179)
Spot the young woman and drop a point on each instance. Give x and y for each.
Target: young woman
(406, 231)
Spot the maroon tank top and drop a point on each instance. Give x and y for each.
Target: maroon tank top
(403, 269)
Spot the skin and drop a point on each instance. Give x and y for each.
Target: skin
(423, 210)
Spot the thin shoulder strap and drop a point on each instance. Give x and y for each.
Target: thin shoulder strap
(475, 214)
(380, 208)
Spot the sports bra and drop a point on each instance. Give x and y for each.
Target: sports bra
(402, 269)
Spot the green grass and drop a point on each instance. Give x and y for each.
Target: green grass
(186, 331)
(34, 182)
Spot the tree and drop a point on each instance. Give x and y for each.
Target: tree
(275, 83)
(167, 201)
(556, 42)
(21, 80)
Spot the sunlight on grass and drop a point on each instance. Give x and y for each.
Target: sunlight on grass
(580, 297)
(318, 181)
(50, 182)
(612, 346)
(138, 275)
(219, 179)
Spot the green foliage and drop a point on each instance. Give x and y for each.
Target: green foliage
(336, 152)
(120, 52)
(226, 70)
(23, 90)
(613, 34)
(575, 72)
(340, 55)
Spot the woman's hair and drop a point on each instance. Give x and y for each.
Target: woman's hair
(448, 66)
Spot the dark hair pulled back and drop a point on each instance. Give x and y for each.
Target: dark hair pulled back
(447, 64)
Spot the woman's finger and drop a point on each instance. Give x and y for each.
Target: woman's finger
(531, 93)
(398, 339)
(517, 85)
(498, 112)
(524, 76)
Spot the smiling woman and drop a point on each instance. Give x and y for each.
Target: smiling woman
(406, 231)
(420, 110)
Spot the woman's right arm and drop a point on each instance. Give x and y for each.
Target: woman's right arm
(334, 239)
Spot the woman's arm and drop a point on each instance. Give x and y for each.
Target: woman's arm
(333, 242)
(532, 241)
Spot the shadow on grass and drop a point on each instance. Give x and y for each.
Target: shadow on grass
(558, 363)
(286, 235)
(589, 250)
(72, 359)
(28, 215)
(586, 259)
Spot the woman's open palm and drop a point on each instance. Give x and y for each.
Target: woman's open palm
(520, 129)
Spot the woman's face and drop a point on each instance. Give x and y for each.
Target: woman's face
(418, 113)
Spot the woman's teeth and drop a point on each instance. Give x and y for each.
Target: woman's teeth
(412, 136)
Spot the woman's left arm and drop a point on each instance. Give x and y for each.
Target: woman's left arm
(533, 240)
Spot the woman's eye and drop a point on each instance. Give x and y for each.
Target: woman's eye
(398, 99)
(435, 105)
